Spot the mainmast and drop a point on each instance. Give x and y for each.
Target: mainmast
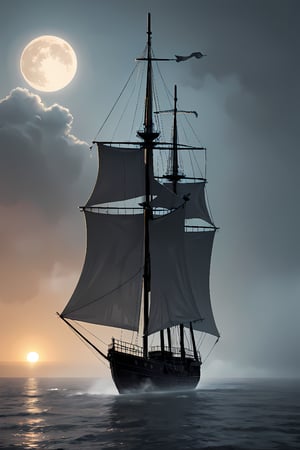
(148, 135)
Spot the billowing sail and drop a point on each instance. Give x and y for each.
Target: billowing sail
(180, 265)
(196, 205)
(110, 286)
(120, 175)
(194, 195)
(164, 196)
(172, 299)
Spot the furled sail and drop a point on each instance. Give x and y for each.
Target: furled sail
(196, 204)
(109, 289)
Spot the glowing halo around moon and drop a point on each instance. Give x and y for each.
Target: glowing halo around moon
(32, 357)
(48, 63)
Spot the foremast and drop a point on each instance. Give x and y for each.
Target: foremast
(148, 135)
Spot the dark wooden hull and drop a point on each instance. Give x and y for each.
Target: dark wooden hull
(157, 373)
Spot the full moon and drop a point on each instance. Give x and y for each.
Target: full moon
(33, 357)
(48, 63)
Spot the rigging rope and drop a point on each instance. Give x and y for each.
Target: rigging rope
(194, 163)
(202, 339)
(138, 97)
(210, 350)
(161, 123)
(114, 105)
(123, 112)
(88, 346)
(92, 334)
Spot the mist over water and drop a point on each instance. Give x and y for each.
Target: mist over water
(89, 414)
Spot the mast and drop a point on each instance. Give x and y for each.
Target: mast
(175, 149)
(148, 135)
(174, 178)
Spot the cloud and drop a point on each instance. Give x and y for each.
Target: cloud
(41, 172)
(40, 159)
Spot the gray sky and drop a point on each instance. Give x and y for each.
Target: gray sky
(246, 92)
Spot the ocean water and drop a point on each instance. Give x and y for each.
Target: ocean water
(70, 414)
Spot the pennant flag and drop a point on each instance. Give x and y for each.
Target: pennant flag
(192, 55)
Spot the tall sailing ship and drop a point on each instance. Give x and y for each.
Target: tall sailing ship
(146, 269)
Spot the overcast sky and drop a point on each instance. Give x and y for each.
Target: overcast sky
(246, 92)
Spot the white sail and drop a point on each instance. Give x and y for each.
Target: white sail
(121, 175)
(109, 289)
(196, 204)
(198, 248)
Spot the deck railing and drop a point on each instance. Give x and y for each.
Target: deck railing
(136, 350)
(175, 351)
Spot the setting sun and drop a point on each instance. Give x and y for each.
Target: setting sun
(32, 357)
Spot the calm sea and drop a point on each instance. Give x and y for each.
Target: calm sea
(70, 414)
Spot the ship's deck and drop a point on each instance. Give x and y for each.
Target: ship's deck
(155, 351)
